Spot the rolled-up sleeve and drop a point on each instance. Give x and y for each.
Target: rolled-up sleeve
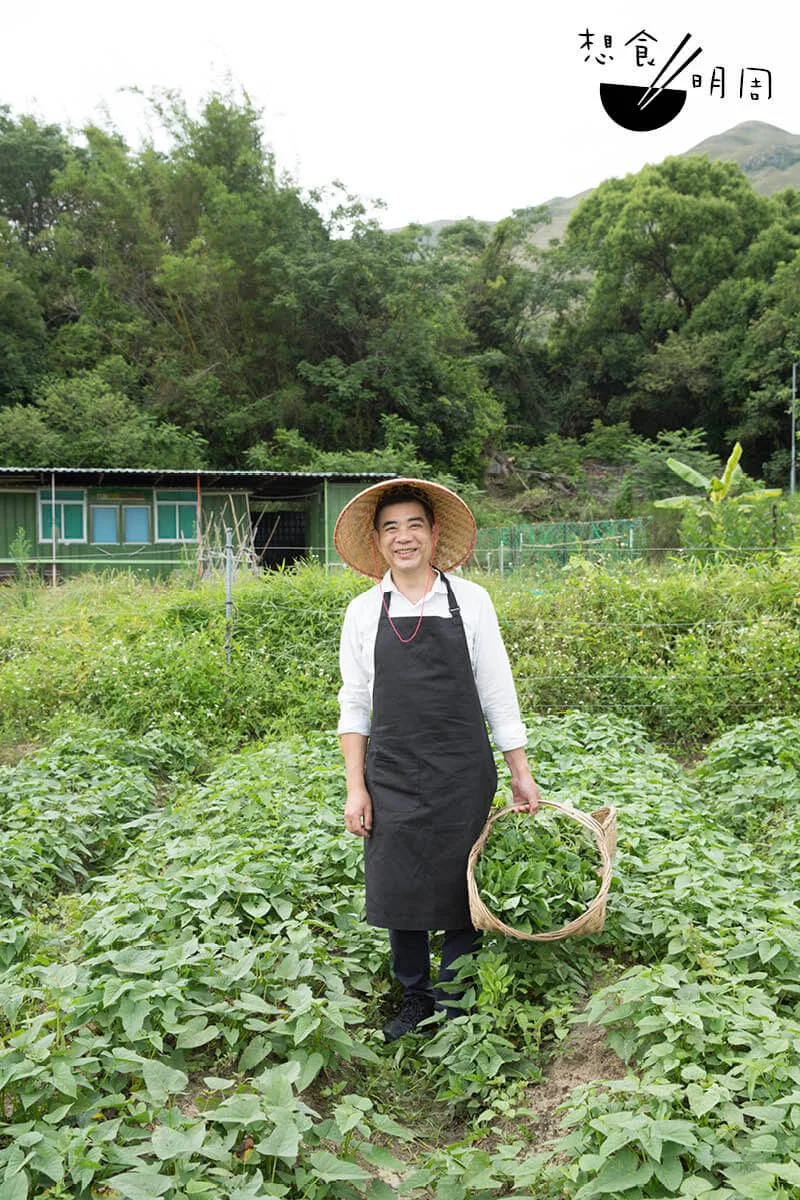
(355, 694)
(494, 680)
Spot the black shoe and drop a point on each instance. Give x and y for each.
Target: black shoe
(414, 1010)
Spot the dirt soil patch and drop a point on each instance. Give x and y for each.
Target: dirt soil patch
(13, 752)
(585, 1059)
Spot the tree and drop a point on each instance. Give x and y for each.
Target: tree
(88, 421)
(399, 454)
(384, 334)
(649, 470)
(23, 339)
(512, 293)
(30, 155)
(763, 371)
(658, 243)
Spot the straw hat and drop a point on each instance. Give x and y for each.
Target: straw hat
(353, 539)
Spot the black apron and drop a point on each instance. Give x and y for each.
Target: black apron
(429, 770)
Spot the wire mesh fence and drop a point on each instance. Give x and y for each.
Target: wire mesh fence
(549, 546)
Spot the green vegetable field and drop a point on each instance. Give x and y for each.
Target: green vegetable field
(189, 995)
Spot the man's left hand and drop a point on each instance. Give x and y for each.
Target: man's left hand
(525, 794)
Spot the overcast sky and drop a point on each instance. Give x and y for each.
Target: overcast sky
(441, 109)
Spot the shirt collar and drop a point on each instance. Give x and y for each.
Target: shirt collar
(388, 585)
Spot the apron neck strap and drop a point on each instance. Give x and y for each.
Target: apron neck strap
(451, 599)
(452, 603)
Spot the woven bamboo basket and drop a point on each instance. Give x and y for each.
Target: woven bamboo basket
(602, 824)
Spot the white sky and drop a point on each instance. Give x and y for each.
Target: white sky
(441, 109)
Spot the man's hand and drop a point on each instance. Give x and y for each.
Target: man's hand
(358, 809)
(525, 793)
(524, 790)
(358, 813)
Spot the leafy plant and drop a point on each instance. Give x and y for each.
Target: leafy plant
(537, 873)
(21, 548)
(188, 992)
(201, 1013)
(649, 469)
(644, 641)
(715, 521)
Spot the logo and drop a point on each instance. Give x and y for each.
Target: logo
(651, 104)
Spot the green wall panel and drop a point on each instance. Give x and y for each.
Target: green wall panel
(337, 495)
(17, 511)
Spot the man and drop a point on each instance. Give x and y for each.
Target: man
(423, 667)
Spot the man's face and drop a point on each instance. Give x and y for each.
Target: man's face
(404, 537)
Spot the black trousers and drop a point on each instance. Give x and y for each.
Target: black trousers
(411, 960)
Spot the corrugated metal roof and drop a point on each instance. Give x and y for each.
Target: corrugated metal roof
(191, 472)
(155, 476)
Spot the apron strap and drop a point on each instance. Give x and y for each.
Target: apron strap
(451, 599)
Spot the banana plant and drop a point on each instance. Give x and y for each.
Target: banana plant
(716, 490)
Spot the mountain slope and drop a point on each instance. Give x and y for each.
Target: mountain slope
(769, 156)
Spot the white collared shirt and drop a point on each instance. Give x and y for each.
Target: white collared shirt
(487, 653)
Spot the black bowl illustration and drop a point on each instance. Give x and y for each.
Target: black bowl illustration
(621, 102)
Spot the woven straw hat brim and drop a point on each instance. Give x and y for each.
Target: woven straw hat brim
(353, 539)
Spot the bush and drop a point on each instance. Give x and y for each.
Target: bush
(649, 460)
(686, 649)
(760, 527)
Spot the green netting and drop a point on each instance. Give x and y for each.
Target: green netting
(552, 544)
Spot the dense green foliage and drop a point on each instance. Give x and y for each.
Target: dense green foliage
(198, 1021)
(190, 305)
(67, 811)
(188, 992)
(685, 650)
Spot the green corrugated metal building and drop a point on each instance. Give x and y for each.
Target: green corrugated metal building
(82, 518)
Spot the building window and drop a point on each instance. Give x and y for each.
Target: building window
(104, 524)
(176, 517)
(136, 524)
(70, 514)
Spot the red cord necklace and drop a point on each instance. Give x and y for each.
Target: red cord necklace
(397, 633)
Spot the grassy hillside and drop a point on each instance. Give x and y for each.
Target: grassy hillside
(769, 156)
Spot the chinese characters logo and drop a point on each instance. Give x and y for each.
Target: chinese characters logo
(646, 106)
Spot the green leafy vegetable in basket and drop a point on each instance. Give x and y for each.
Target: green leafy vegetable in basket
(537, 873)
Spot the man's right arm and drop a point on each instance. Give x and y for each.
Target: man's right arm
(355, 694)
(358, 809)
(354, 723)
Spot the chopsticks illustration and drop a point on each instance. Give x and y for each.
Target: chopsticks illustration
(653, 91)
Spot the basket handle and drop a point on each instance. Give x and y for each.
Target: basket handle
(584, 818)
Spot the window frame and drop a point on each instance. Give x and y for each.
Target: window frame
(45, 497)
(175, 505)
(106, 508)
(145, 508)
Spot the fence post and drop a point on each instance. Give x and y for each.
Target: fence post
(502, 557)
(228, 592)
(54, 529)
